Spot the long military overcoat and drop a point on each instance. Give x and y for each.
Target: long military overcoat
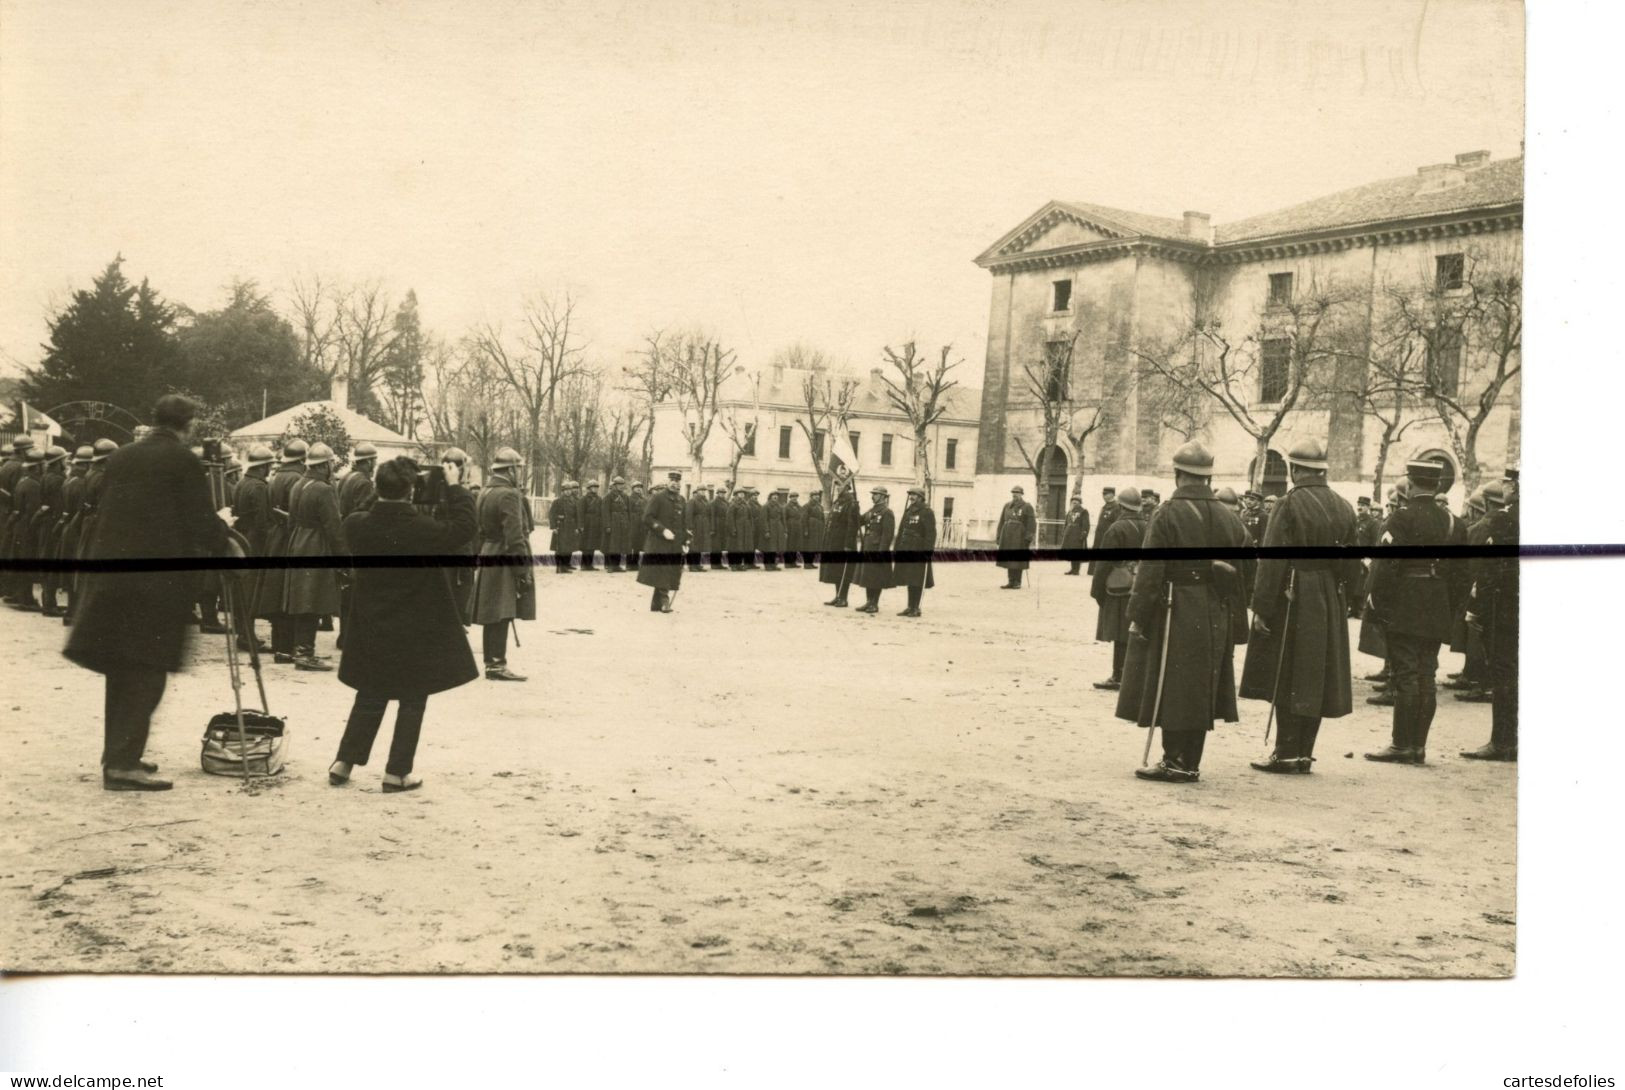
(1201, 685)
(503, 592)
(1126, 531)
(916, 538)
(1315, 676)
(1018, 527)
(840, 538)
(662, 567)
(873, 570)
(273, 582)
(317, 532)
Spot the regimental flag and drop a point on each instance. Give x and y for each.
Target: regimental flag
(843, 460)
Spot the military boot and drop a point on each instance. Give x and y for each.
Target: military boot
(1398, 751)
(497, 670)
(305, 658)
(1306, 746)
(1421, 723)
(1284, 758)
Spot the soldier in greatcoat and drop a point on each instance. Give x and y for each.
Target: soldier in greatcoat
(813, 534)
(561, 518)
(1372, 640)
(775, 531)
(1472, 683)
(313, 593)
(592, 526)
(1189, 603)
(1493, 611)
(697, 516)
(271, 591)
(741, 530)
(1111, 581)
(758, 511)
(916, 540)
(795, 529)
(27, 498)
(665, 537)
(1075, 532)
(1299, 654)
(836, 561)
(1018, 527)
(637, 503)
(503, 593)
(1414, 599)
(251, 519)
(52, 520)
(17, 453)
(874, 571)
(356, 490)
(617, 522)
(73, 511)
(718, 514)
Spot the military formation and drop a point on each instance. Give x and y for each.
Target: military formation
(1173, 624)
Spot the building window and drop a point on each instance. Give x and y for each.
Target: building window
(1056, 365)
(1450, 271)
(784, 442)
(1275, 365)
(818, 445)
(853, 437)
(952, 456)
(1280, 289)
(885, 450)
(1062, 295)
(750, 441)
(1444, 363)
(948, 508)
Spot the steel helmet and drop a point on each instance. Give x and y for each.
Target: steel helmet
(103, 447)
(506, 458)
(55, 453)
(319, 454)
(33, 456)
(454, 454)
(294, 450)
(83, 455)
(364, 452)
(22, 444)
(259, 454)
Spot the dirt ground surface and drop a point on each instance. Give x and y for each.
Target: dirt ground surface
(754, 783)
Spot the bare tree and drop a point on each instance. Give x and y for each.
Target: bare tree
(575, 438)
(742, 425)
(827, 401)
(545, 355)
(649, 382)
(802, 356)
(918, 393)
(1388, 392)
(364, 329)
(316, 304)
(1469, 326)
(622, 422)
(1283, 359)
(695, 365)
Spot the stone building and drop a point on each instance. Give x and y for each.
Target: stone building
(768, 411)
(1123, 287)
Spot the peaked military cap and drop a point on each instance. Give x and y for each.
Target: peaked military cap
(917, 491)
(1018, 491)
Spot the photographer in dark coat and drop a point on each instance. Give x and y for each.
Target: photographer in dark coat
(664, 539)
(131, 625)
(916, 538)
(403, 638)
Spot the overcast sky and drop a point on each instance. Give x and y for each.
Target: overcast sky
(775, 171)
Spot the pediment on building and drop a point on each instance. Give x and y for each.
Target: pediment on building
(1052, 227)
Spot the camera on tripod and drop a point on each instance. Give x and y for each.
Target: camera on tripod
(214, 451)
(431, 486)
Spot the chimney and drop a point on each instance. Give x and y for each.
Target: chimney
(1437, 177)
(1472, 160)
(340, 390)
(1199, 226)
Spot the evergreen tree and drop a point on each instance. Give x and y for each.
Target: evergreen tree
(115, 342)
(403, 368)
(245, 359)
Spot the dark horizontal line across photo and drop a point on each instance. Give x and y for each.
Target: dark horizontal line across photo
(943, 556)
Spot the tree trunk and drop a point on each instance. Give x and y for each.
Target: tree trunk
(1377, 470)
(1261, 459)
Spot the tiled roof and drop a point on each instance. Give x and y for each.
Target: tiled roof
(1495, 183)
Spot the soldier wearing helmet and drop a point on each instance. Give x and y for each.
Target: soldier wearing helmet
(26, 501)
(563, 518)
(1298, 658)
(273, 583)
(311, 594)
(1111, 580)
(616, 521)
(49, 524)
(356, 491)
(73, 513)
(1181, 614)
(503, 593)
(10, 473)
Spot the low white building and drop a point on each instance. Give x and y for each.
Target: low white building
(772, 406)
(362, 429)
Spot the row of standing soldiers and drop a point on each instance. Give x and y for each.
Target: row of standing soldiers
(726, 526)
(48, 506)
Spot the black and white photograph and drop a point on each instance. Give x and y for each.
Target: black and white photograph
(791, 490)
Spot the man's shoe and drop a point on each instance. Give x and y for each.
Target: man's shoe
(1163, 772)
(1458, 683)
(1111, 684)
(1277, 763)
(132, 779)
(1476, 696)
(212, 628)
(311, 662)
(1380, 675)
(392, 784)
(868, 609)
(1397, 755)
(1384, 699)
(282, 658)
(1490, 753)
(147, 766)
(338, 773)
(498, 671)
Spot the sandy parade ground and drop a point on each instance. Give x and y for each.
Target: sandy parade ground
(752, 784)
